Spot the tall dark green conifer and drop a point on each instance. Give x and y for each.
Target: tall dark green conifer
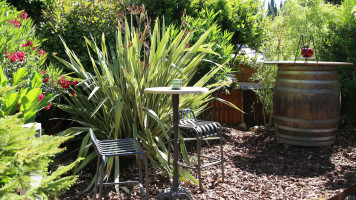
(272, 9)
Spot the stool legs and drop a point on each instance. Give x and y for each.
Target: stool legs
(222, 158)
(199, 161)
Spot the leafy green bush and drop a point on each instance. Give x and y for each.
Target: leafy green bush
(32, 7)
(340, 45)
(112, 101)
(74, 19)
(284, 31)
(26, 99)
(221, 40)
(19, 46)
(21, 65)
(246, 19)
(23, 155)
(172, 10)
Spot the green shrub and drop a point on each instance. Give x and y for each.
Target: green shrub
(112, 101)
(222, 44)
(23, 95)
(19, 46)
(22, 155)
(172, 10)
(74, 19)
(340, 45)
(246, 19)
(32, 7)
(21, 65)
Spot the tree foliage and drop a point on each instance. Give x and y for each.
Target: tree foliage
(22, 155)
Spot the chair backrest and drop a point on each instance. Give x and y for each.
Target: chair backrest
(95, 141)
(184, 116)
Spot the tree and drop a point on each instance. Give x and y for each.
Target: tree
(272, 9)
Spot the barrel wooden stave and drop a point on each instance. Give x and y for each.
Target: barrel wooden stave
(306, 104)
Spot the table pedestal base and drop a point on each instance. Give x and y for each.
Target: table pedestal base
(173, 194)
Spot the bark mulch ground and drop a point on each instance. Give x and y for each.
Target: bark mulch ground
(256, 167)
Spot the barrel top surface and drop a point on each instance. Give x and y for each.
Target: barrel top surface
(309, 63)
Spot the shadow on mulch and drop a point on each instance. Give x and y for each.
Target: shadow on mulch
(265, 155)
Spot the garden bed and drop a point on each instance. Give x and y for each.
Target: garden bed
(258, 167)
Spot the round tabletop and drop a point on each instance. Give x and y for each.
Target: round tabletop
(183, 90)
(307, 63)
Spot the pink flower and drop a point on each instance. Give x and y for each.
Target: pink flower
(48, 107)
(6, 52)
(40, 97)
(72, 93)
(42, 53)
(74, 83)
(33, 48)
(43, 72)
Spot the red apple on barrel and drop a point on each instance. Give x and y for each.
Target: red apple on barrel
(307, 52)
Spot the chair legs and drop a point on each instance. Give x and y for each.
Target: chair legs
(96, 177)
(101, 178)
(101, 175)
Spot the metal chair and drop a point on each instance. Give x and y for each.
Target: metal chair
(202, 130)
(119, 147)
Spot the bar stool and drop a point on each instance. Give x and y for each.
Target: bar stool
(202, 130)
(119, 147)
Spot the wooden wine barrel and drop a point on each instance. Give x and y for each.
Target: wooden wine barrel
(307, 102)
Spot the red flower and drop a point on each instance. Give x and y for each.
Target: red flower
(33, 48)
(48, 107)
(15, 23)
(42, 53)
(28, 44)
(46, 79)
(15, 56)
(72, 93)
(43, 72)
(74, 83)
(23, 15)
(40, 97)
(6, 52)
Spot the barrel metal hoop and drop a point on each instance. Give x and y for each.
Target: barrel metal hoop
(306, 121)
(308, 73)
(308, 90)
(309, 68)
(309, 139)
(306, 130)
(283, 80)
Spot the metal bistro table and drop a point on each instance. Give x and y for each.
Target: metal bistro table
(175, 192)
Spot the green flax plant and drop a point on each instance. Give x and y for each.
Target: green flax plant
(112, 101)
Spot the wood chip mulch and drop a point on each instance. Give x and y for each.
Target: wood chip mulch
(256, 167)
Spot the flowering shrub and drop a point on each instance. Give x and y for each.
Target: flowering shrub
(21, 66)
(19, 47)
